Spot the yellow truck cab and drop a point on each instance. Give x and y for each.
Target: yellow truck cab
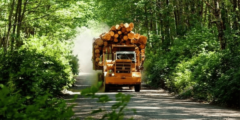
(123, 68)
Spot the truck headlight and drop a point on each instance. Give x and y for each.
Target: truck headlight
(134, 74)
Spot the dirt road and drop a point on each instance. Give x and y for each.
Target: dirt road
(151, 105)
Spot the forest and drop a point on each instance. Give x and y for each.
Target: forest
(193, 49)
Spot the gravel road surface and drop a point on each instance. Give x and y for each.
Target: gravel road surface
(151, 104)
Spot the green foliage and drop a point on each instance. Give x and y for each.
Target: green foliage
(212, 76)
(228, 85)
(36, 49)
(117, 110)
(74, 64)
(41, 64)
(13, 107)
(200, 74)
(160, 66)
(195, 67)
(54, 19)
(34, 73)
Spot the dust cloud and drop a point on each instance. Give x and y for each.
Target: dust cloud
(83, 49)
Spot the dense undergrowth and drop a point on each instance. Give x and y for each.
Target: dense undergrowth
(196, 67)
(34, 69)
(36, 62)
(32, 78)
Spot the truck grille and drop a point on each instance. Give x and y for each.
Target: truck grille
(123, 67)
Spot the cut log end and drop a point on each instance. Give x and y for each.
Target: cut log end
(111, 33)
(137, 36)
(97, 51)
(116, 36)
(117, 27)
(126, 25)
(97, 60)
(130, 35)
(113, 28)
(107, 36)
(143, 39)
(119, 32)
(121, 25)
(95, 46)
(125, 38)
(131, 25)
(105, 43)
(99, 42)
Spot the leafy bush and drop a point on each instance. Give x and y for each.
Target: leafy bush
(34, 73)
(160, 66)
(211, 76)
(13, 107)
(38, 67)
(228, 86)
(199, 74)
(195, 67)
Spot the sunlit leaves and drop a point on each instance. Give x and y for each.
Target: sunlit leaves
(14, 106)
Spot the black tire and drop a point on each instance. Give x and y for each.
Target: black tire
(137, 88)
(106, 88)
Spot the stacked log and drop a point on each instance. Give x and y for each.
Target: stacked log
(130, 35)
(120, 34)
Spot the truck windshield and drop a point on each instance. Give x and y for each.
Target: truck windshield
(126, 55)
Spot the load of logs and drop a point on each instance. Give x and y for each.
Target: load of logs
(119, 35)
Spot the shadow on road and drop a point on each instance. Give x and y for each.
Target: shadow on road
(152, 104)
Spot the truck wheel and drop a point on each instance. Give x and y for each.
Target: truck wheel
(137, 88)
(106, 88)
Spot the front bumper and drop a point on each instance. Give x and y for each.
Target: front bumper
(117, 80)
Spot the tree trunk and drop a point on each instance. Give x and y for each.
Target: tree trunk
(220, 24)
(9, 25)
(14, 28)
(176, 16)
(235, 24)
(19, 24)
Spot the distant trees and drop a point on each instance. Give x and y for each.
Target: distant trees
(22, 19)
(172, 18)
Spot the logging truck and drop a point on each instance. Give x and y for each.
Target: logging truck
(120, 55)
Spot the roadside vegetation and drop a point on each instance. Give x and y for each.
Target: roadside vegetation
(35, 56)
